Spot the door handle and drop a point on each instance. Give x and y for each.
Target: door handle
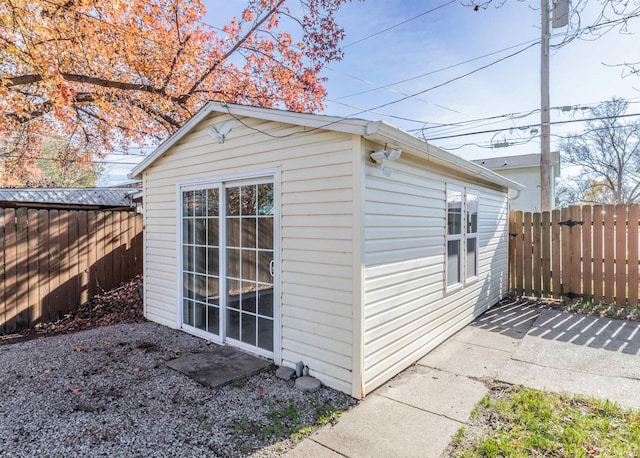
(272, 265)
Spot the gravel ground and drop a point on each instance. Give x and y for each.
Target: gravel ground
(108, 392)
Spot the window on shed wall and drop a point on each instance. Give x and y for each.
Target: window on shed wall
(462, 236)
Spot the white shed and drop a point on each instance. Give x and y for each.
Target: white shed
(278, 233)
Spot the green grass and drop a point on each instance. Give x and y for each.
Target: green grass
(522, 422)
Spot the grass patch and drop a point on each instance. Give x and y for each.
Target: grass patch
(523, 422)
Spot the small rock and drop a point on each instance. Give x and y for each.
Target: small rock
(308, 383)
(285, 373)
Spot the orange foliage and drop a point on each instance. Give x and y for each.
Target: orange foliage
(95, 75)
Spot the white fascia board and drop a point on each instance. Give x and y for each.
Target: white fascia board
(312, 121)
(388, 133)
(202, 113)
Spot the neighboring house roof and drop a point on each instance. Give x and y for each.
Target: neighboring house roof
(375, 130)
(518, 162)
(91, 197)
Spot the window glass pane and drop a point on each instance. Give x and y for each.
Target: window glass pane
(265, 199)
(213, 202)
(249, 265)
(199, 202)
(249, 297)
(265, 233)
(264, 262)
(265, 300)
(248, 203)
(200, 259)
(265, 334)
(200, 231)
(213, 316)
(472, 256)
(248, 334)
(200, 287)
(212, 232)
(453, 262)
(213, 260)
(233, 294)
(187, 258)
(472, 213)
(213, 291)
(233, 232)
(200, 320)
(233, 263)
(233, 201)
(248, 226)
(187, 207)
(454, 212)
(187, 231)
(233, 324)
(187, 312)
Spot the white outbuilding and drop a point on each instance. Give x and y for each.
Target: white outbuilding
(347, 244)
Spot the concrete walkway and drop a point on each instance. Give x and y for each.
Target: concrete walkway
(418, 412)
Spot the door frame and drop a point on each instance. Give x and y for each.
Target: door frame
(218, 181)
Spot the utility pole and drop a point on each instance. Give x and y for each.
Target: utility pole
(560, 19)
(545, 128)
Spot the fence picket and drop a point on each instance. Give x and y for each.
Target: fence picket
(565, 237)
(587, 229)
(576, 251)
(633, 254)
(609, 253)
(556, 253)
(546, 253)
(519, 259)
(621, 255)
(537, 255)
(49, 260)
(598, 253)
(527, 255)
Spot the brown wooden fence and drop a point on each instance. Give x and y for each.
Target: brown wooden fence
(589, 252)
(53, 261)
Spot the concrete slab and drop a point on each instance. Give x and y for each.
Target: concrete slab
(624, 391)
(502, 328)
(466, 359)
(310, 449)
(435, 391)
(383, 427)
(219, 366)
(598, 345)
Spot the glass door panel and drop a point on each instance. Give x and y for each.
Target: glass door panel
(249, 264)
(200, 263)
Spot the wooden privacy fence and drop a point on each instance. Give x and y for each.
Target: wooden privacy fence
(589, 252)
(53, 261)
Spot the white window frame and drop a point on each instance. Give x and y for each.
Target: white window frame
(463, 237)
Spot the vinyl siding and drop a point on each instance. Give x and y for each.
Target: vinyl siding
(316, 259)
(407, 311)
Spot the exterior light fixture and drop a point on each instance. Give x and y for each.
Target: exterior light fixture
(381, 157)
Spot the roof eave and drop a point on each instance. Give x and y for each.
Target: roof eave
(386, 131)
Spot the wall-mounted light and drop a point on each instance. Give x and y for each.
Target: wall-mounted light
(381, 157)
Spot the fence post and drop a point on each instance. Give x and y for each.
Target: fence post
(519, 261)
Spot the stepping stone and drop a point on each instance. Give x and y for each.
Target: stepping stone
(285, 373)
(307, 383)
(220, 366)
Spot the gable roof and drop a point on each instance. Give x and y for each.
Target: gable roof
(517, 162)
(94, 197)
(374, 130)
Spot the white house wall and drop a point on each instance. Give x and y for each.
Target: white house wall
(316, 236)
(407, 311)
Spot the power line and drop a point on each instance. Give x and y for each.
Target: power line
(398, 24)
(529, 126)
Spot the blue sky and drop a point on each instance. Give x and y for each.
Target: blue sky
(431, 49)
